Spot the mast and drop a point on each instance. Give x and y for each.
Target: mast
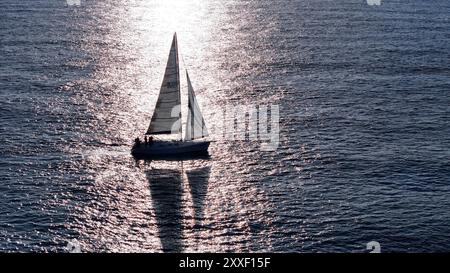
(179, 83)
(190, 109)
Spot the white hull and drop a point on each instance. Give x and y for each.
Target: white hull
(170, 148)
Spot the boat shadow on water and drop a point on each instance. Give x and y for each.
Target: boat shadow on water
(198, 185)
(169, 202)
(167, 192)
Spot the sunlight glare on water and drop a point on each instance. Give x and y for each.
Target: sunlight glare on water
(364, 135)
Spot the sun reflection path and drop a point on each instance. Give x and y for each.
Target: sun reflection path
(169, 16)
(217, 214)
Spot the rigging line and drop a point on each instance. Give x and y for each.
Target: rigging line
(182, 59)
(184, 67)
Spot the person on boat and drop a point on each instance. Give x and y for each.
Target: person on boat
(146, 141)
(150, 140)
(137, 142)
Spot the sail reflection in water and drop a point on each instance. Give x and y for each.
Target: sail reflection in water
(171, 202)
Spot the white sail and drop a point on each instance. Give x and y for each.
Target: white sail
(163, 121)
(195, 125)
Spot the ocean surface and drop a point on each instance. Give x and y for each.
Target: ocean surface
(364, 142)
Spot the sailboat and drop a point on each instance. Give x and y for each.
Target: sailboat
(167, 118)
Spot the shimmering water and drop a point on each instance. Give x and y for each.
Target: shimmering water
(364, 118)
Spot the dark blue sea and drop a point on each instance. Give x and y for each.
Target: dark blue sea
(364, 117)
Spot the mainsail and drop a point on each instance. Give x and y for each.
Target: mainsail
(166, 117)
(195, 126)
